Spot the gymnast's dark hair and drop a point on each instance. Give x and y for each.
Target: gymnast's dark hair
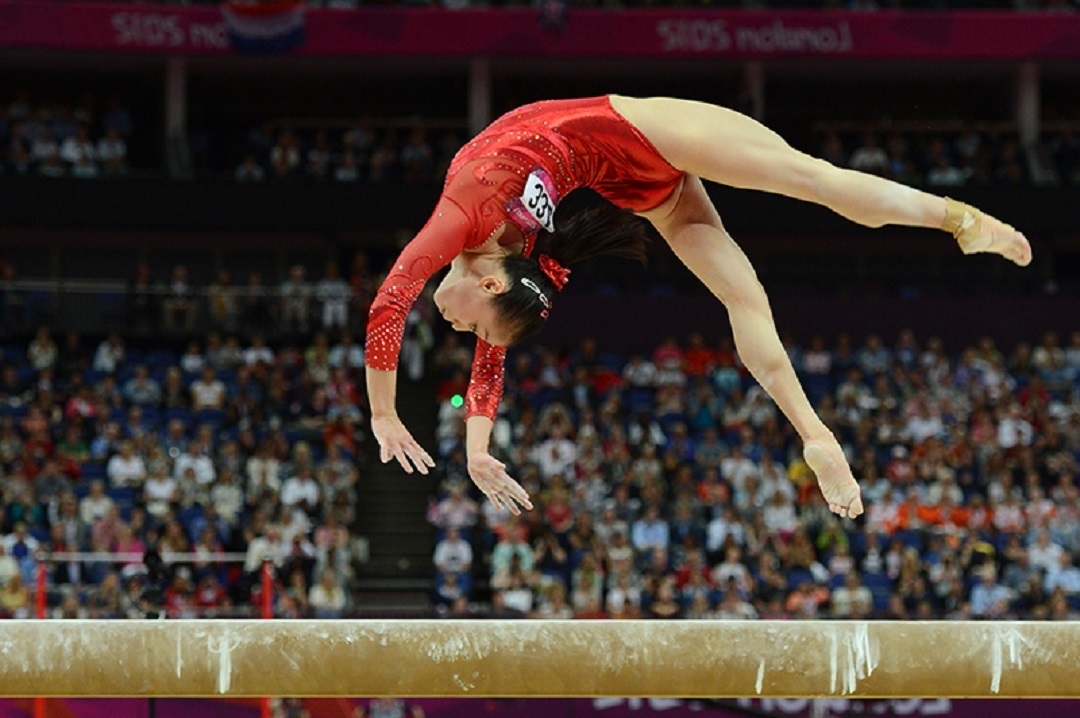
(600, 230)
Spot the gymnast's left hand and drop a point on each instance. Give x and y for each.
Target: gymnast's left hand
(489, 474)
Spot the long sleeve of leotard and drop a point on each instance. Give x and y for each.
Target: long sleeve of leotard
(486, 382)
(445, 235)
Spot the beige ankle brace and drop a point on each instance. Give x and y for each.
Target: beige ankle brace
(963, 222)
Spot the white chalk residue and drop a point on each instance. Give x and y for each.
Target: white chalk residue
(864, 653)
(834, 659)
(760, 676)
(452, 647)
(852, 657)
(1004, 635)
(462, 684)
(179, 652)
(995, 665)
(224, 649)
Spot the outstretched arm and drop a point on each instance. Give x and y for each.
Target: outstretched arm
(395, 441)
(441, 239)
(481, 406)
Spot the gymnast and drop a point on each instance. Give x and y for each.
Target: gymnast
(495, 225)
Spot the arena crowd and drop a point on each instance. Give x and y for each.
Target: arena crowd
(667, 485)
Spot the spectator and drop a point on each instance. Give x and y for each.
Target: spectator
(258, 353)
(109, 355)
(1044, 554)
(455, 511)
(44, 148)
(557, 454)
(348, 170)
(346, 354)
(319, 157)
(178, 307)
(285, 160)
(733, 607)
(301, 492)
(327, 599)
(126, 468)
(42, 352)
(295, 301)
(117, 117)
(806, 600)
(222, 303)
(988, 597)
(198, 462)
(870, 157)
(141, 299)
(142, 389)
(650, 532)
(161, 492)
(208, 392)
(96, 504)
(112, 153)
(333, 293)
(388, 708)
(553, 605)
(453, 554)
(249, 170)
(255, 304)
(15, 598)
(1064, 577)
(852, 600)
(227, 497)
(943, 173)
(417, 157)
(78, 151)
(9, 567)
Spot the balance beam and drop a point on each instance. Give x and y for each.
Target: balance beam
(428, 658)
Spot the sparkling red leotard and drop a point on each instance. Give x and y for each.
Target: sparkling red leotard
(578, 143)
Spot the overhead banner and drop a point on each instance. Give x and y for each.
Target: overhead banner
(654, 33)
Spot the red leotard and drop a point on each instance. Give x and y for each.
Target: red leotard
(578, 143)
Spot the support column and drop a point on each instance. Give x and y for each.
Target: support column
(479, 95)
(1028, 103)
(754, 77)
(175, 150)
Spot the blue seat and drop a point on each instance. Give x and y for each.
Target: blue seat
(910, 539)
(178, 412)
(151, 416)
(93, 471)
(213, 417)
(124, 498)
(161, 358)
(797, 577)
(187, 517)
(880, 588)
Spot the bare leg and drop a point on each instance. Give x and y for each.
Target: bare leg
(727, 147)
(691, 225)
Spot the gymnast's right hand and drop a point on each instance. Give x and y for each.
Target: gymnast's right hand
(489, 475)
(395, 442)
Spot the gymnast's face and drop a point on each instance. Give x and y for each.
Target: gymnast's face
(464, 298)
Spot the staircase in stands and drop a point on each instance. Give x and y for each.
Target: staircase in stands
(392, 515)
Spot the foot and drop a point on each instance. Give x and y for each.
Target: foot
(978, 232)
(838, 486)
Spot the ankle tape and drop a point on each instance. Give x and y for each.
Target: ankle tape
(963, 222)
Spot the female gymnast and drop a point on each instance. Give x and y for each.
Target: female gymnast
(648, 158)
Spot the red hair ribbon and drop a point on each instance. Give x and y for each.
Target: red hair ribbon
(554, 271)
